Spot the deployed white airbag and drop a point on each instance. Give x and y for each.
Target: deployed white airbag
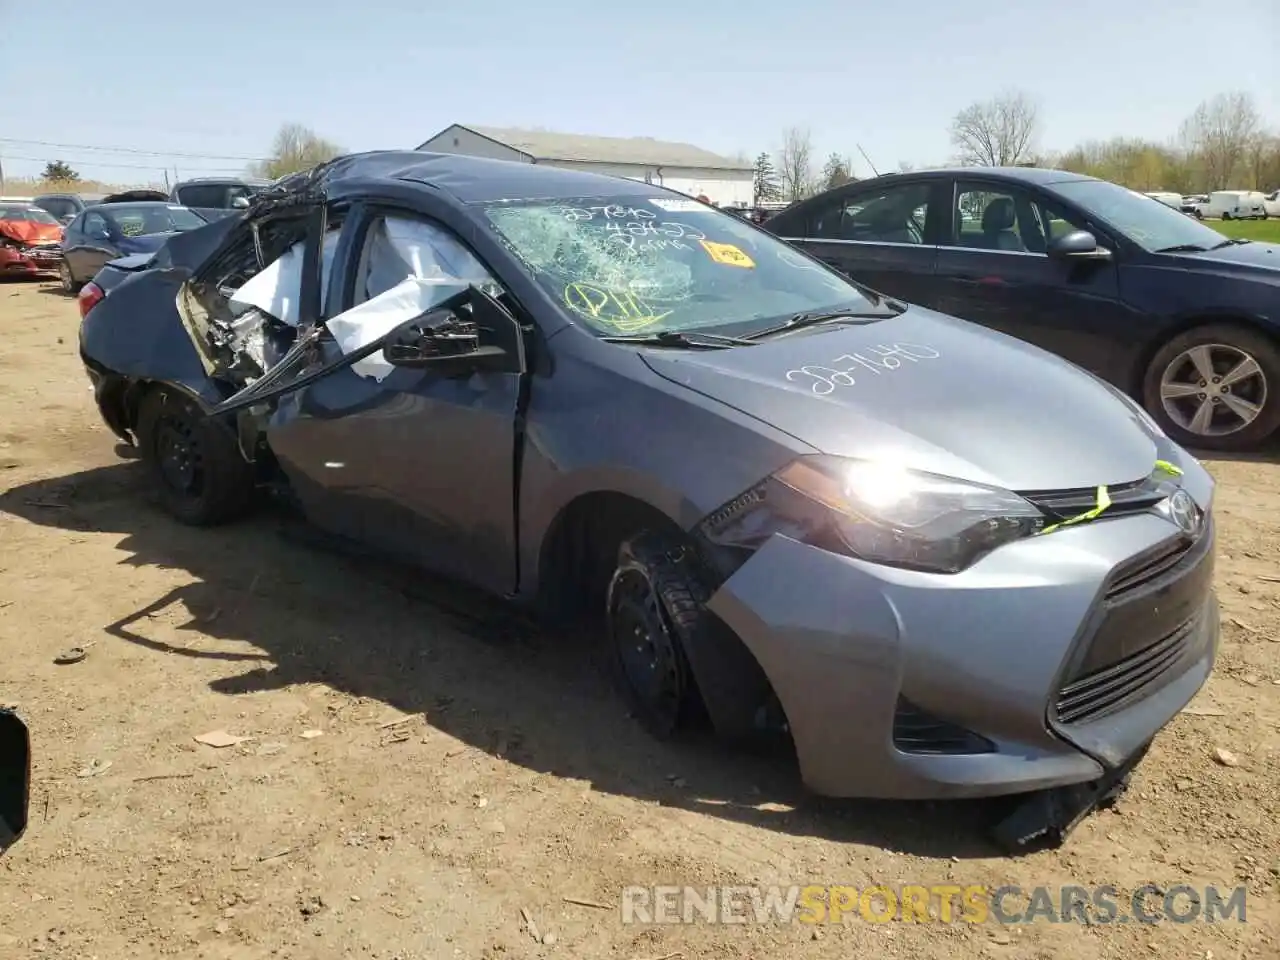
(408, 267)
(363, 324)
(277, 288)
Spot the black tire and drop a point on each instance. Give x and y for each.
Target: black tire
(1199, 215)
(70, 285)
(196, 464)
(1263, 349)
(1226, 216)
(655, 602)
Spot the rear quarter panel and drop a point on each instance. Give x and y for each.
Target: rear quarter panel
(136, 333)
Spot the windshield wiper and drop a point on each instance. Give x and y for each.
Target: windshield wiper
(678, 338)
(815, 317)
(1184, 248)
(1234, 241)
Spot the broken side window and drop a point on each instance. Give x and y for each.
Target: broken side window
(244, 309)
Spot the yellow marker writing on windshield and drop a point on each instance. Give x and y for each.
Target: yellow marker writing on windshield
(619, 309)
(727, 254)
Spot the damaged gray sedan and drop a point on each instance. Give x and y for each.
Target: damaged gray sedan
(943, 562)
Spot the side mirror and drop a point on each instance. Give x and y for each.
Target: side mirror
(444, 341)
(239, 203)
(1078, 245)
(15, 778)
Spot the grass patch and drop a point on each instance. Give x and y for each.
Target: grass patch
(1265, 231)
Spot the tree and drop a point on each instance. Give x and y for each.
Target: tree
(836, 171)
(795, 164)
(996, 133)
(1220, 131)
(1263, 159)
(59, 171)
(765, 188)
(296, 148)
(904, 167)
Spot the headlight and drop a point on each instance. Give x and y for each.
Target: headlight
(877, 512)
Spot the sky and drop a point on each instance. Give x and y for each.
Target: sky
(139, 88)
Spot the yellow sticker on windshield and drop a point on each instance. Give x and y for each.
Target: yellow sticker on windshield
(727, 254)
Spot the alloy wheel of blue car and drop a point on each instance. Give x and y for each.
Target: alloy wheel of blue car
(1213, 389)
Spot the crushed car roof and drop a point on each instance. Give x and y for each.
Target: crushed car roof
(469, 179)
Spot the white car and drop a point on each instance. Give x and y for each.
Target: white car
(1168, 199)
(1271, 204)
(1235, 205)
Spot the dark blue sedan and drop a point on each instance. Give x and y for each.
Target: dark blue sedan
(1164, 307)
(107, 231)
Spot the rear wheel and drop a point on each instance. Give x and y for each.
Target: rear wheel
(196, 464)
(70, 285)
(1216, 387)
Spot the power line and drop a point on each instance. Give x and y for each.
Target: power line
(158, 165)
(129, 150)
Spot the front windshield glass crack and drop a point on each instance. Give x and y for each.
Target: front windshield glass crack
(645, 264)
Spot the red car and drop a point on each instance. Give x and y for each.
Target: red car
(30, 241)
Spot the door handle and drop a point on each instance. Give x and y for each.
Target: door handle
(984, 281)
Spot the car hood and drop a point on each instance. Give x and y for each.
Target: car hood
(931, 393)
(28, 231)
(1252, 254)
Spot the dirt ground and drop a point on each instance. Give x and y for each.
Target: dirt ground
(516, 780)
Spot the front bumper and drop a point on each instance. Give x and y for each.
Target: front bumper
(1051, 662)
(32, 262)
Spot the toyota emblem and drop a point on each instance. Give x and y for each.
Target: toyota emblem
(1184, 513)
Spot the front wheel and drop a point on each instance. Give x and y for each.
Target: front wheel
(196, 463)
(654, 602)
(70, 285)
(1216, 387)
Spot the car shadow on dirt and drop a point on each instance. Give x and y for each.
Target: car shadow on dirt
(478, 670)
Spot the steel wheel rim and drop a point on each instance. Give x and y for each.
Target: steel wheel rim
(179, 456)
(1213, 389)
(645, 648)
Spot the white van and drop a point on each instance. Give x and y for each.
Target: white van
(1271, 204)
(1235, 204)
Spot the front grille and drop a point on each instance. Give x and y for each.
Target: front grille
(1126, 498)
(917, 731)
(1111, 688)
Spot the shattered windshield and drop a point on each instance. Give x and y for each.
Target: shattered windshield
(626, 265)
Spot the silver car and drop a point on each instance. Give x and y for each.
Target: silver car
(940, 561)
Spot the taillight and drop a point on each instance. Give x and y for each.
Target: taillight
(89, 297)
